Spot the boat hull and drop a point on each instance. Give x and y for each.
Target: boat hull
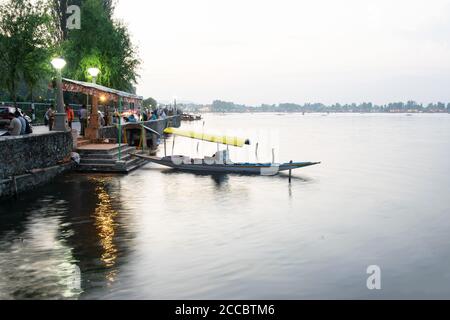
(266, 169)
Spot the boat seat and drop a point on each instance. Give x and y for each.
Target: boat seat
(180, 159)
(197, 161)
(210, 160)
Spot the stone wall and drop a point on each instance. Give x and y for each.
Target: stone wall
(37, 157)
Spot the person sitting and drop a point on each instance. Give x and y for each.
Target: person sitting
(132, 119)
(23, 122)
(15, 126)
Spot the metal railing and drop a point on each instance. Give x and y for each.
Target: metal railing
(36, 111)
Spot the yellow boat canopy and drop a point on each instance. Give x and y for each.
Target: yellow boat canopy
(231, 141)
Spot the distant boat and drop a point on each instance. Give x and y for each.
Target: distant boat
(191, 117)
(220, 161)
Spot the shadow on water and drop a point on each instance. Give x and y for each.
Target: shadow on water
(223, 179)
(61, 241)
(304, 179)
(219, 179)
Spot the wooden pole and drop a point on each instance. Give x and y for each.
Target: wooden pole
(165, 147)
(16, 193)
(290, 173)
(173, 146)
(120, 128)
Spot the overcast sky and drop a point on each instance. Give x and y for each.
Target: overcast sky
(261, 51)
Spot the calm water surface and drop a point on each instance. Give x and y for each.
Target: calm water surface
(381, 197)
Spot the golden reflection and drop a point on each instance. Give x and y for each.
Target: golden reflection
(105, 223)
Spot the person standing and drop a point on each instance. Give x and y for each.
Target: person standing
(47, 116)
(70, 115)
(51, 120)
(83, 120)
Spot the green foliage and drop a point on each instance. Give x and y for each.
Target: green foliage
(32, 31)
(150, 103)
(25, 43)
(102, 43)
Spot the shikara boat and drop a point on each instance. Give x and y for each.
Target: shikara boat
(220, 162)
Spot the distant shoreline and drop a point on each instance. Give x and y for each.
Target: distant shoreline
(315, 112)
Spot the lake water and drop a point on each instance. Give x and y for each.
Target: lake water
(380, 197)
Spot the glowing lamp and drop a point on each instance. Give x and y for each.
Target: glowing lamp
(94, 72)
(58, 63)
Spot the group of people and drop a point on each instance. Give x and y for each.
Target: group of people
(83, 115)
(19, 125)
(148, 115)
(49, 117)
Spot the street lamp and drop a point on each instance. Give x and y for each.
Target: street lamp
(58, 63)
(94, 72)
(60, 116)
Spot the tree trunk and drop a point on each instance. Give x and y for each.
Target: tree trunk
(60, 9)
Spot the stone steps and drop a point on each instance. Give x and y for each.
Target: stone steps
(137, 164)
(105, 159)
(100, 161)
(110, 152)
(107, 156)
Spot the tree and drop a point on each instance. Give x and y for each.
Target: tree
(36, 67)
(109, 6)
(25, 42)
(150, 103)
(59, 12)
(103, 43)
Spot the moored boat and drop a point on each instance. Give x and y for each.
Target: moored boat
(220, 162)
(217, 165)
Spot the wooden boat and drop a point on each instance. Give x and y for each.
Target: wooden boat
(209, 166)
(220, 162)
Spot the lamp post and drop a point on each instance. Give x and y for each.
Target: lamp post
(94, 72)
(93, 126)
(60, 116)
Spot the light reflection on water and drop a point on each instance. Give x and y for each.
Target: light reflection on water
(105, 217)
(380, 197)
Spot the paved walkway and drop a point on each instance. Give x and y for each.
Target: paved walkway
(44, 129)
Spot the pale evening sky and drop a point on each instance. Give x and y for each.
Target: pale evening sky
(261, 51)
